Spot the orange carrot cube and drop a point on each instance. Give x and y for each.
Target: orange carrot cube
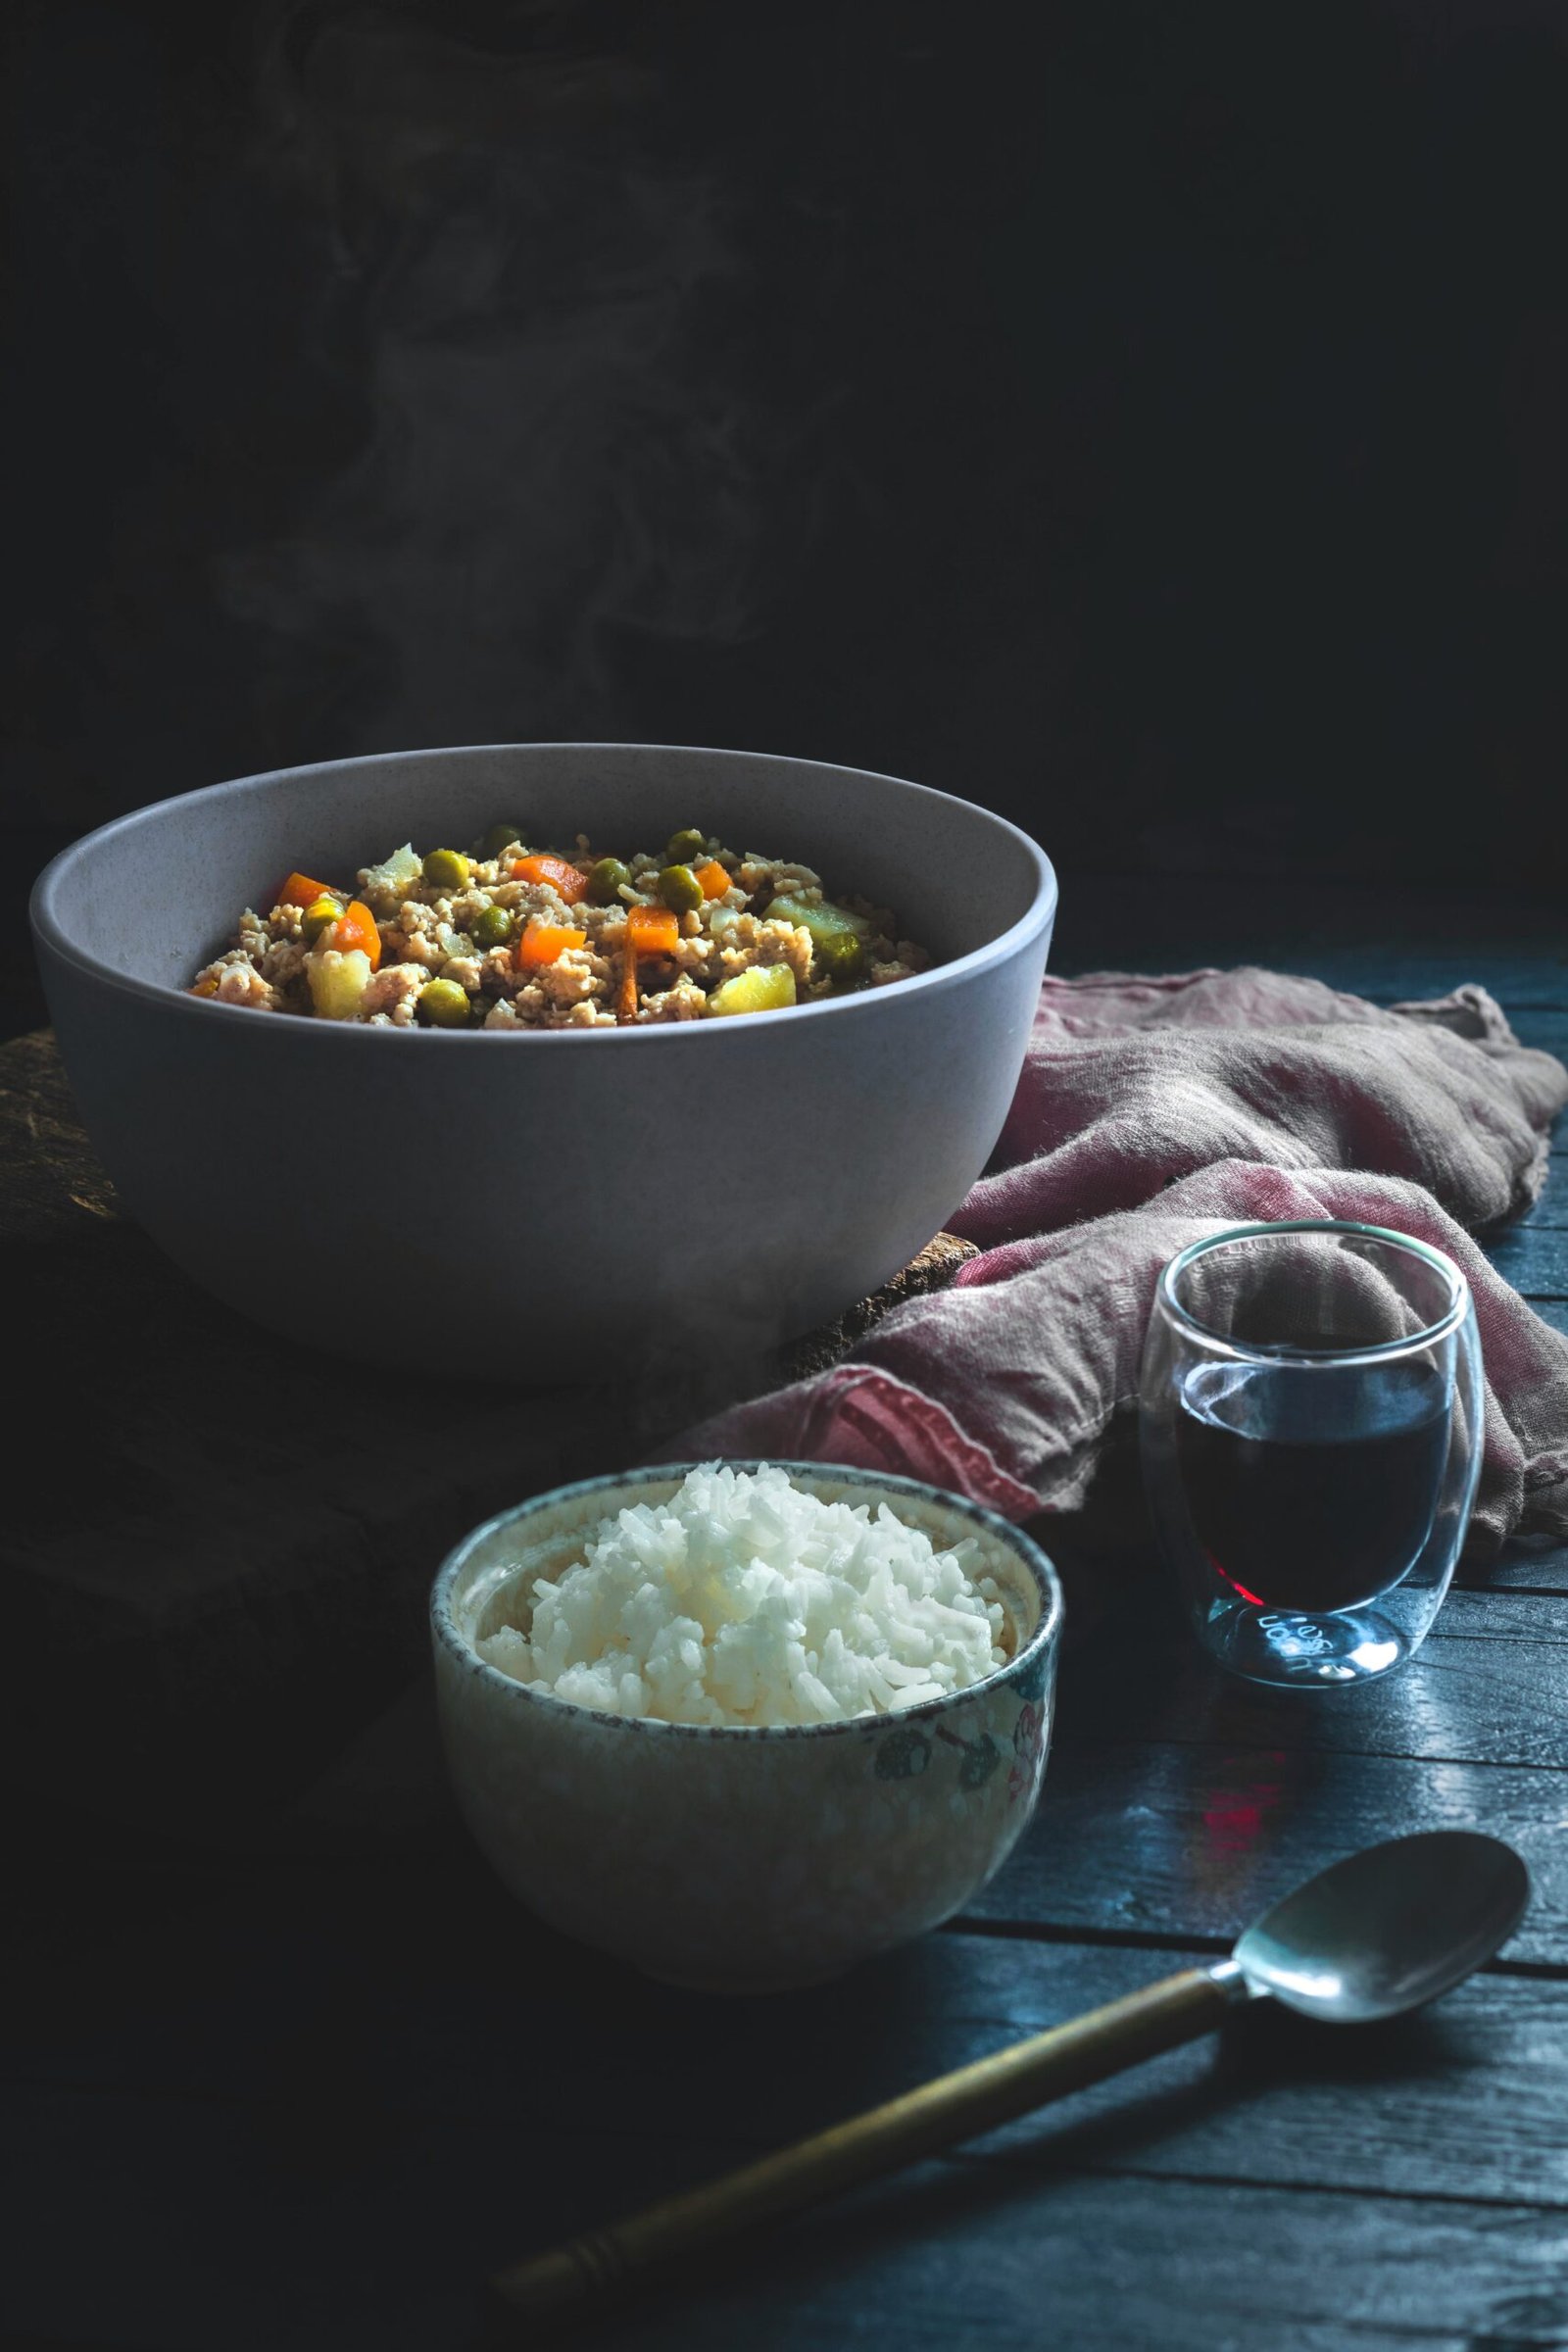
(542, 943)
(356, 928)
(567, 881)
(300, 891)
(652, 930)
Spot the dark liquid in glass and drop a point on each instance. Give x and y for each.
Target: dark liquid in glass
(1310, 1489)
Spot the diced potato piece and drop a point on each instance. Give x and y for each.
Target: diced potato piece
(766, 988)
(395, 876)
(338, 982)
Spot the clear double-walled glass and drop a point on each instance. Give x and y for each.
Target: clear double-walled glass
(1311, 1420)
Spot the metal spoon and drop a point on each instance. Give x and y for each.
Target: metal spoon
(1370, 1937)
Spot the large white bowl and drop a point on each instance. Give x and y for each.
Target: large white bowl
(738, 1859)
(549, 1201)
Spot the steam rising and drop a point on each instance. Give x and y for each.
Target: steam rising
(531, 304)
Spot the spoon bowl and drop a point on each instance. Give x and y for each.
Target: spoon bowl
(1387, 1928)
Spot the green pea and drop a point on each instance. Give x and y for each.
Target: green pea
(499, 838)
(494, 927)
(839, 954)
(606, 881)
(679, 888)
(319, 916)
(443, 1004)
(446, 870)
(684, 847)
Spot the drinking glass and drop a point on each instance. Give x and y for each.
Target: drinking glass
(1311, 1425)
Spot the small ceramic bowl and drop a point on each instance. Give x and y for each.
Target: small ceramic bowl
(740, 1859)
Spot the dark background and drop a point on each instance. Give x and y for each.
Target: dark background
(1150, 422)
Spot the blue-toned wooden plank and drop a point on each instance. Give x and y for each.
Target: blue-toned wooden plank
(210, 2227)
(1533, 1257)
(244, 2095)
(1373, 941)
(1183, 1841)
(1521, 1568)
(1550, 1206)
(307, 2003)
(1535, 1025)
(1490, 1684)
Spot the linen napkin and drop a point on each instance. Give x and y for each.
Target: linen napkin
(1150, 1112)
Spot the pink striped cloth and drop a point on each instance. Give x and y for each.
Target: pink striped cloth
(1149, 1112)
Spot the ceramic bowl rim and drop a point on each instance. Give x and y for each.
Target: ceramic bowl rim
(1040, 1645)
(49, 929)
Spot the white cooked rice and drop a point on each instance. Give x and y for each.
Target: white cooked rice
(744, 1600)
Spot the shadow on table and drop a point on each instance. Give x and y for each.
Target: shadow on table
(980, 2188)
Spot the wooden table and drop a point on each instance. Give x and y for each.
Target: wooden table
(285, 2068)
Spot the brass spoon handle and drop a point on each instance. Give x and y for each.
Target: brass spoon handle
(956, 2106)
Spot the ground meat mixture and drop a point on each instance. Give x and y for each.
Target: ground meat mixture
(509, 936)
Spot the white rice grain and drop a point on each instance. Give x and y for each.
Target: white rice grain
(744, 1600)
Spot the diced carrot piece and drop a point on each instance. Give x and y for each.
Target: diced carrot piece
(568, 882)
(626, 1002)
(356, 928)
(204, 988)
(652, 930)
(542, 943)
(300, 891)
(713, 879)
